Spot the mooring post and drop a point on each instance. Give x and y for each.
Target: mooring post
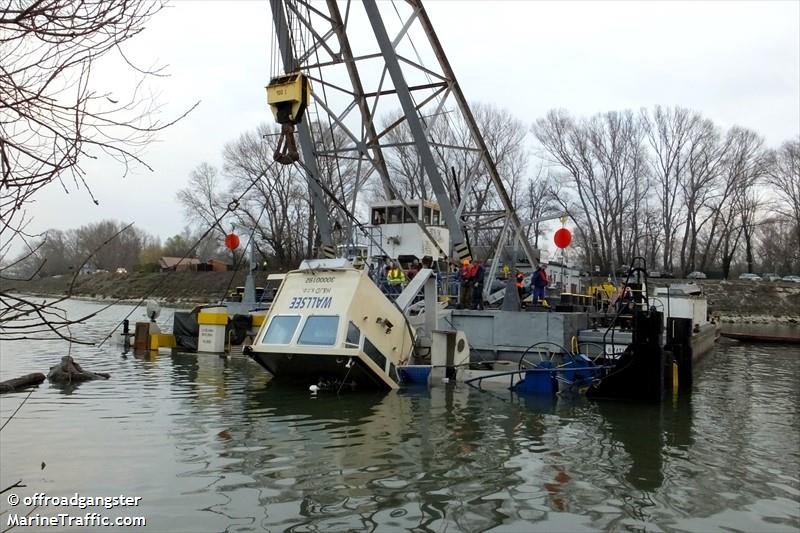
(126, 338)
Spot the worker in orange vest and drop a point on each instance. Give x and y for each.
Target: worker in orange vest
(519, 286)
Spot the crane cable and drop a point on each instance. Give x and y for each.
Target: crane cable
(250, 241)
(232, 205)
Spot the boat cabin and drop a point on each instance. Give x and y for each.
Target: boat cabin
(329, 323)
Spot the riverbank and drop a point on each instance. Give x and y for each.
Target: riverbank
(737, 302)
(177, 289)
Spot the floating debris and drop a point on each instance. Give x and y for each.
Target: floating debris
(69, 371)
(23, 382)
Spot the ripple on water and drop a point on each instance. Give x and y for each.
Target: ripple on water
(211, 444)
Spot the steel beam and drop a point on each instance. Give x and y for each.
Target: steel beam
(414, 123)
(360, 98)
(422, 15)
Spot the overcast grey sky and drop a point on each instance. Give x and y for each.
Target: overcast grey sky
(736, 62)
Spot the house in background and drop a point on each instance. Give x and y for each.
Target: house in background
(178, 264)
(88, 268)
(217, 265)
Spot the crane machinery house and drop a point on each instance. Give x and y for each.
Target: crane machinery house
(396, 233)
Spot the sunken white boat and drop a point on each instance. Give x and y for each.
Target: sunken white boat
(329, 324)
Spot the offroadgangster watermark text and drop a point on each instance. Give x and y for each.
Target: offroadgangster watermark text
(40, 500)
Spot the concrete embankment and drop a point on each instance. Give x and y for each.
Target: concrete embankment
(752, 301)
(732, 301)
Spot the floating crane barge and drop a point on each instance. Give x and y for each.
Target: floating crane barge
(330, 325)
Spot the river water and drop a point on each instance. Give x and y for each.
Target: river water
(211, 444)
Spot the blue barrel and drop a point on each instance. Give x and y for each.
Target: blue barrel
(415, 374)
(540, 380)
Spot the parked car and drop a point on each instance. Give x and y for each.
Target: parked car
(121, 270)
(793, 279)
(654, 274)
(696, 275)
(771, 276)
(749, 276)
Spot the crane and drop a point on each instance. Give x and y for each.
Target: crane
(364, 76)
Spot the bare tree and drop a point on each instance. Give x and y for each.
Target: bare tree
(784, 177)
(733, 209)
(703, 187)
(205, 206)
(777, 246)
(122, 251)
(604, 164)
(669, 133)
(278, 205)
(53, 116)
(540, 202)
(469, 182)
(405, 165)
(339, 175)
(668, 186)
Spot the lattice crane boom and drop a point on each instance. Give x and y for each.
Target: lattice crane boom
(354, 89)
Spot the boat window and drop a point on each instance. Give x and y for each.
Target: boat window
(395, 215)
(435, 218)
(353, 338)
(379, 216)
(320, 330)
(408, 216)
(427, 216)
(281, 329)
(375, 354)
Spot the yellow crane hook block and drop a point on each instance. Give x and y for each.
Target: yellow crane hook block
(288, 96)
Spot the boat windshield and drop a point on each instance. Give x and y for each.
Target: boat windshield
(281, 329)
(320, 330)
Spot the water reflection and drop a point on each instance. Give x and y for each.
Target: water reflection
(645, 431)
(424, 459)
(67, 388)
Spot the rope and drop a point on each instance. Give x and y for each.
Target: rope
(232, 205)
(18, 407)
(238, 264)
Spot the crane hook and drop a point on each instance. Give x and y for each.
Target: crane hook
(286, 152)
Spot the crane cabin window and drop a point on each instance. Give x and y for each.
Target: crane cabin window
(426, 218)
(281, 329)
(378, 216)
(395, 215)
(320, 330)
(408, 217)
